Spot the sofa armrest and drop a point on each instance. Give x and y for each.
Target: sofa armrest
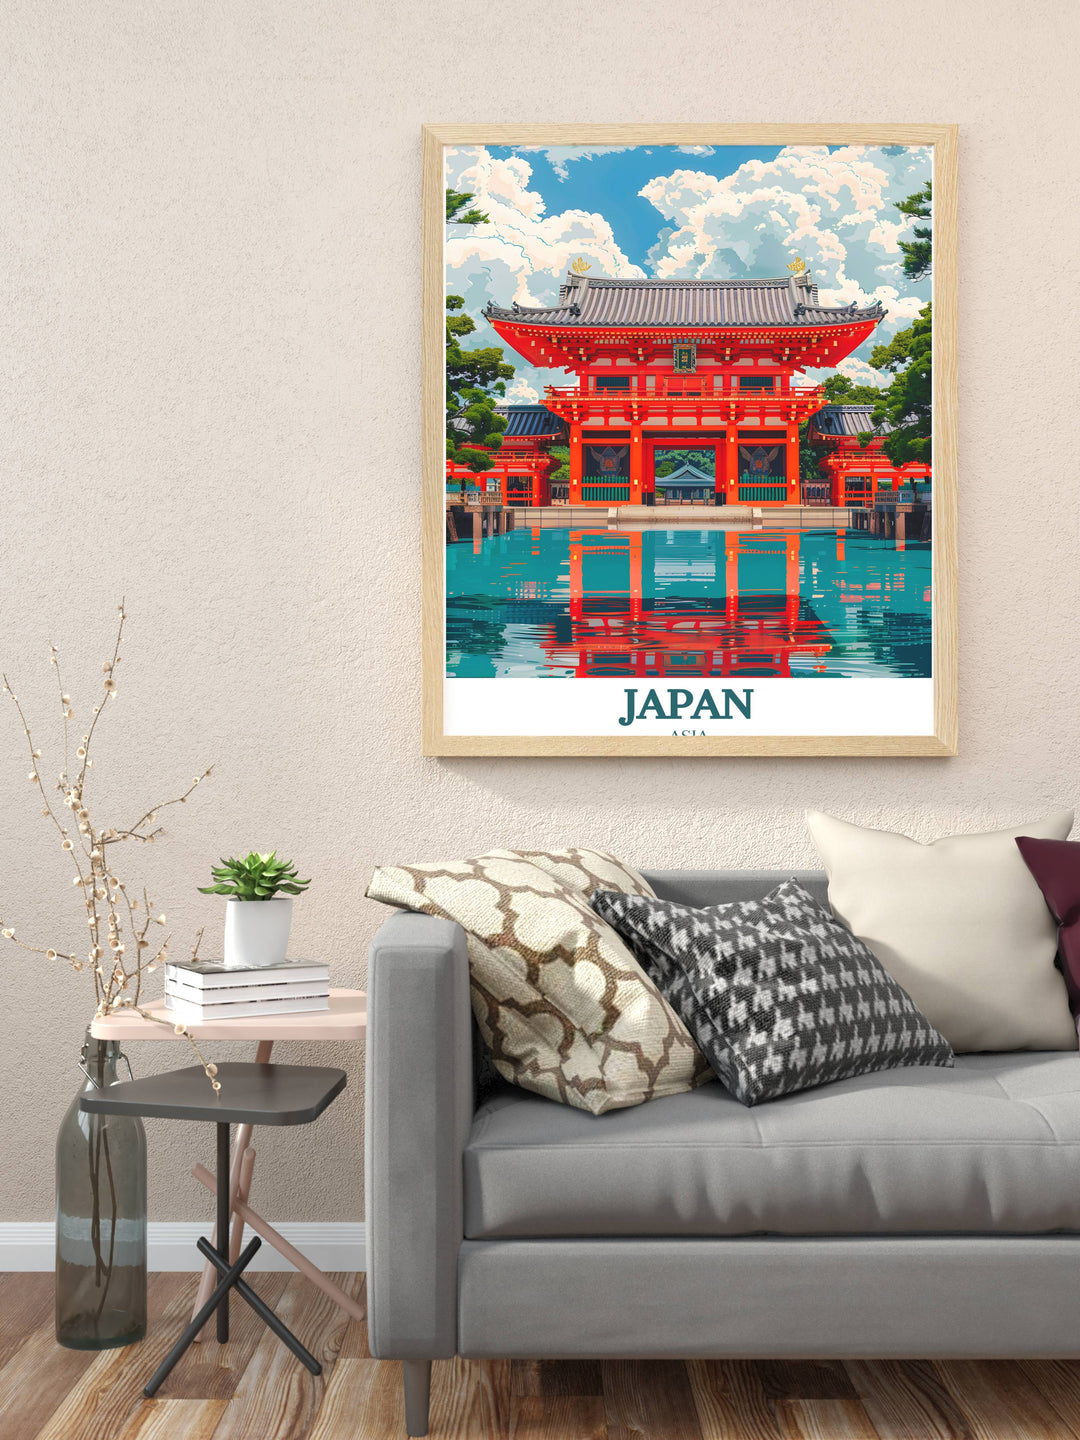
(418, 1109)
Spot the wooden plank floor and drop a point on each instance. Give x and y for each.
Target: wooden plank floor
(252, 1389)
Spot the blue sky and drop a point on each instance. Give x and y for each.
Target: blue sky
(684, 212)
(611, 184)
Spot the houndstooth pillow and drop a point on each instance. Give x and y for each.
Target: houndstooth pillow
(779, 995)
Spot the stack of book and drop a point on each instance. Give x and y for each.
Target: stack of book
(201, 990)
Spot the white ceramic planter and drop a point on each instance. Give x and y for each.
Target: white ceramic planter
(257, 932)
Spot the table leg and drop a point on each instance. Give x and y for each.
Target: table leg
(295, 1258)
(222, 1243)
(265, 1314)
(243, 1138)
(244, 1190)
(217, 1298)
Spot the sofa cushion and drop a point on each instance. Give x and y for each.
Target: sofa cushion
(960, 924)
(1055, 864)
(564, 1006)
(779, 995)
(728, 887)
(990, 1147)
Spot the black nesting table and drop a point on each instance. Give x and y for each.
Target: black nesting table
(250, 1094)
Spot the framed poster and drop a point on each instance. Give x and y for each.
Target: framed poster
(690, 440)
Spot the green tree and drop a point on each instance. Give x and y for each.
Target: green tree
(475, 379)
(698, 456)
(906, 405)
(562, 454)
(918, 253)
(840, 389)
(475, 383)
(458, 200)
(809, 469)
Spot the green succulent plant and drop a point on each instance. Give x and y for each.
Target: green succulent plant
(256, 877)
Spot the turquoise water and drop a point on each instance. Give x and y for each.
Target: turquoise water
(562, 602)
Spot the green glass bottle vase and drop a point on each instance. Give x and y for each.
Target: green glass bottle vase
(100, 1217)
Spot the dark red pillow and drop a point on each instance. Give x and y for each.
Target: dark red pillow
(1055, 865)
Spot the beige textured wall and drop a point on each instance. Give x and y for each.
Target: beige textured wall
(209, 367)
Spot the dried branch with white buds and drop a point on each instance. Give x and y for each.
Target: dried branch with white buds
(110, 913)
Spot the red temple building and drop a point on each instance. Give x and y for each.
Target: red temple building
(678, 364)
(523, 463)
(856, 472)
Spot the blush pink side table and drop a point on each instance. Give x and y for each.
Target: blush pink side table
(346, 1019)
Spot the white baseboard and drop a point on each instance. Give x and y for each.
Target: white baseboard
(170, 1245)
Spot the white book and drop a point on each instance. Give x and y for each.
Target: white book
(212, 974)
(232, 994)
(241, 1009)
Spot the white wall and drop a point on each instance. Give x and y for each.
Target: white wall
(209, 374)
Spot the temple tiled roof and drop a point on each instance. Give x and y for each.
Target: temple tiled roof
(835, 420)
(686, 474)
(685, 304)
(526, 420)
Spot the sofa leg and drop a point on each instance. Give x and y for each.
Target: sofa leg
(417, 1377)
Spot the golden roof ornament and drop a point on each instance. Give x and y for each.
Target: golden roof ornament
(580, 265)
(797, 266)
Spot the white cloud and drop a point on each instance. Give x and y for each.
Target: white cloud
(560, 157)
(523, 254)
(902, 308)
(860, 373)
(837, 210)
(857, 371)
(695, 149)
(533, 248)
(520, 392)
(806, 201)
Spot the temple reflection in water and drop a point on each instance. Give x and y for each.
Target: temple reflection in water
(748, 634)
(688, 602)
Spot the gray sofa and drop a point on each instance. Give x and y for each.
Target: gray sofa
(910, 1213)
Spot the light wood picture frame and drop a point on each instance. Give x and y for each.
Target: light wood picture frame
(567, 610)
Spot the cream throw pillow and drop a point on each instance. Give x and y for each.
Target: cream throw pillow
(564, 1006)
(588, 871)
(960, 924)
